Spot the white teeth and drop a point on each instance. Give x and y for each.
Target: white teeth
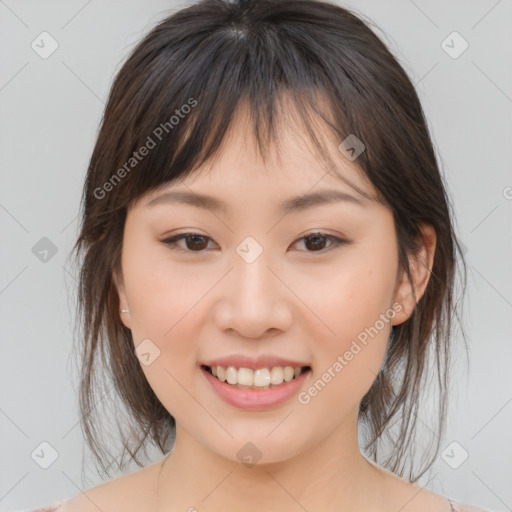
(245, 377)
(276, 375)
(288, 373)
(231, 375)
(261, 378)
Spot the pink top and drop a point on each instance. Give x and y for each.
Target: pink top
(54, 507)
(463, 507)
(456, 507)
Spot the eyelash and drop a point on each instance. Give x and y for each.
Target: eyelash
(335, 241)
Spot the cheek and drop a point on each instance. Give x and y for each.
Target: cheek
(354, 306)
(162, 292)
(352, 293)
(349, 359)
(165, 300)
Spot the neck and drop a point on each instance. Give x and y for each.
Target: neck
(331, 475)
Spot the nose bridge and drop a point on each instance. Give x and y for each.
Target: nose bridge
(254, 280)
(253, 301)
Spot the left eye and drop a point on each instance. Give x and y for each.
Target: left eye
(317, 241)
(195, 242)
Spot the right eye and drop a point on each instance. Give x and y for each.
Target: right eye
(194, 242)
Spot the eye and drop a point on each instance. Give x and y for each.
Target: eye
(195, 242)
(316, 241)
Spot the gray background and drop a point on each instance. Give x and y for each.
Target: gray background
(49, 113)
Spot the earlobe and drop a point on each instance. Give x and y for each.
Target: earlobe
(124, 311)
(420, 266)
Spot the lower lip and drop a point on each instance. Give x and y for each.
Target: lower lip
(256, 399)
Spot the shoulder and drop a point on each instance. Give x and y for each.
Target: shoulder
(128, 493)
(407, 496)
(54, 507)
(424, 500)
(465, 507)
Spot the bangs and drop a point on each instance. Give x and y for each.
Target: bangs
(198, 143)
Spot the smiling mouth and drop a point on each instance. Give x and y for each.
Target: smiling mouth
(260, 379)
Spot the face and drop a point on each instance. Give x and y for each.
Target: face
(317, 285)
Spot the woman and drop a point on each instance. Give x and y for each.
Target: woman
(268, 259)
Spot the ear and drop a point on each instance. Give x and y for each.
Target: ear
(117, 277)
(420, 264)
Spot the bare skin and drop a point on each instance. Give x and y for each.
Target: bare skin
(138, 491)
(310, 306)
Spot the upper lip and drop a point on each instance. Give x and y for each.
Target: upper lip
(239, 361)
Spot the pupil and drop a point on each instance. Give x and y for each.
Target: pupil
(194, 239)
(315, 238)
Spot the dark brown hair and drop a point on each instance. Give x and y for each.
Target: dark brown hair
(176, 95)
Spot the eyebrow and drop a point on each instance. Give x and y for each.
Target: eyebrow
(293, 204)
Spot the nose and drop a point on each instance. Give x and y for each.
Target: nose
(253, 300)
